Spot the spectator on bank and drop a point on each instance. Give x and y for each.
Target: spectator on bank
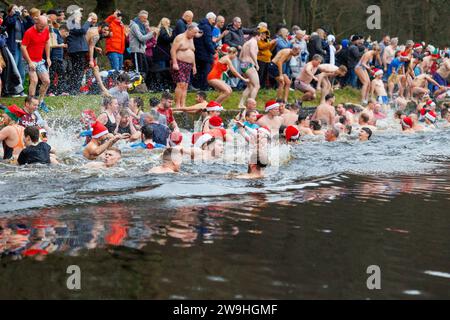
(183, 22)
(139, 35)
(161, 53)
(16, 23)
(115, 44)
(204, 51)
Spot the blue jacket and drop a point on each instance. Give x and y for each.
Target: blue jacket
(204, 46)
(10, 24)
(76, 41)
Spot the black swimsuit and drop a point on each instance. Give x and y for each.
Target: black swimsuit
(7, 151)
(110, 125)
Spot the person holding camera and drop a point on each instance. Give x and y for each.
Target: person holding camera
(15, 24)
(77, 48)
(115, 44)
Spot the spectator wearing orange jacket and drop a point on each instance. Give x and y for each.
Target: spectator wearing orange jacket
(115, 44)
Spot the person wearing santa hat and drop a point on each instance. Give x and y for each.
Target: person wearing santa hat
(418, 51)
(213, 109)
(430, 119)
(377, 88)
(271, 119)
(207, 147)
(101, 141)
(11, 135)
(292, 134)
(407, 125)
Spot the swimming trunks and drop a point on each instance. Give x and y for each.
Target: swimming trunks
(383, 99)
(183, 75)
(303, 86)
(245, 66)
(273, 70)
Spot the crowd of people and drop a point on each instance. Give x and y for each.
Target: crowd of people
(59, 56)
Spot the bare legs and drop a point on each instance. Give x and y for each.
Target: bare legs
(284, 84)
(253, 86)
(224, 89)
(365, 80)
(180, 95)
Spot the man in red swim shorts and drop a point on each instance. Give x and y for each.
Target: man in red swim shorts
(183, 62)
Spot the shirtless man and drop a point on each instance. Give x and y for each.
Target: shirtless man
(442, 74)
(249, 106)
(377, 88)
(325, 112)
(200, 104)
(183, 62)
(303, 125)
(277, 70)
(93, 36)
(290, 116)
(308, 74)
(370, 111)
(271, 119)
(101, 141)
(364, 122)
(12, 135)
(341, 111)
(427, 63)
(111, 158)
(328, 72)
(250, 67)
(172, 159)
(420, 84)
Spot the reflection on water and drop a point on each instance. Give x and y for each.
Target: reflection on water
(306, 241)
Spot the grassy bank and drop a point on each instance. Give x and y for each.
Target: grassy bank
(72, 105)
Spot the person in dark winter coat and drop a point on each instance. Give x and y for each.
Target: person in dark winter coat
(315, 45)
(16, 23)
(183, 22)
(204, 51)
(77, 47)
(235, 37)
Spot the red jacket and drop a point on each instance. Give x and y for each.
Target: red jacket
(116, 43)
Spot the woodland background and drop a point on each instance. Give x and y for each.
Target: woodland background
(424, 20)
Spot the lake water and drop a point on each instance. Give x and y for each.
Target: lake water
(309, 230)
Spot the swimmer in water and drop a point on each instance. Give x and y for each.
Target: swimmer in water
(271, 119)
(101, 141)
(259, 158)
(111, 158)
(365, 134)
(172, 159)
(407, 125)
(147, 140)
(332, 134)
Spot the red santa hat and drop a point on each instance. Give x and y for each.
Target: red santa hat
(431, 104)
(205, 138)
(213, 106)
(14, 112)
(272, 104)
(225, 47)
(98, 130)
(431, 116)
(418, 46)
(176, 137)
(215, 122)
(264, 130)
(377, 72)
(292, 133)
(407, 122)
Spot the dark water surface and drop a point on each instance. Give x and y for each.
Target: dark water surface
(315, 242)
